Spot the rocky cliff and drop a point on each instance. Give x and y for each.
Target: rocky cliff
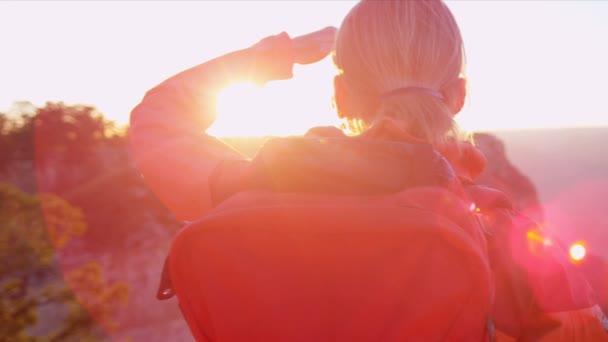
(503, 175)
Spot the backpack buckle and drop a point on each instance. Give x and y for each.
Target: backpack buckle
(165, 288)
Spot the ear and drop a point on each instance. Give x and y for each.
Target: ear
(339, 96)
(455, 94)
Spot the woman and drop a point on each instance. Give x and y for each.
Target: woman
(399, 85)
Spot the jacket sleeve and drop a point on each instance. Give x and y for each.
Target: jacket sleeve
(167, 130)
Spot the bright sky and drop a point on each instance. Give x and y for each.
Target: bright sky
(530, 64)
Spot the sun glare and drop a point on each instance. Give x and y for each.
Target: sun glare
(278, 108)
(235, 111)
(245, 109)
(577, 252)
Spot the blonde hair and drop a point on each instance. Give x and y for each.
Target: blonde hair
(386, 45)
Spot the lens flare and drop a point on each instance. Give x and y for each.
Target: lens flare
(474, 208)
(538, 237)
(577, 252)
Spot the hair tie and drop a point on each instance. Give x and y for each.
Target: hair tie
(409, 90)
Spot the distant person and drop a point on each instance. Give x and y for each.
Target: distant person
(380, 234)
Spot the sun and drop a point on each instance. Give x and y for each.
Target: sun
(238, 111)
(246, 109)
(279, 108)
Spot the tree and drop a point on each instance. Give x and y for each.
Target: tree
(33, 226)
(81, 158)
(77, 154)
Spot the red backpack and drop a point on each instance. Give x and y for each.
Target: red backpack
(274, 264)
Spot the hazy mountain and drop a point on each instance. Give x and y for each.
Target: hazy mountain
(569, 168)
(557, 159)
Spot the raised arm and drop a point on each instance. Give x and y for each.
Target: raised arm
(167, 133)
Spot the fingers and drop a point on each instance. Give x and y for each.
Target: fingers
(327, 38)
(329, 30)
(323, 36)
(313, 47)
(270, 41)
